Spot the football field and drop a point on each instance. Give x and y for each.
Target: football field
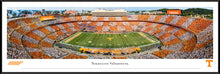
(101, 40)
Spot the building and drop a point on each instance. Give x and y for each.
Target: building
(140, 12)
(37, 14)
(155, 12)
(106, 13)
(70, 13)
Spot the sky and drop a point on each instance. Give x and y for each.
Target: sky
(95, 8)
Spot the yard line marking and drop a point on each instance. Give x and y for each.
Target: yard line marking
(72, 37)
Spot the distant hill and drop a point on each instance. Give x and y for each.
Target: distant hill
(198, 11)
(163, 10)
(190, 11)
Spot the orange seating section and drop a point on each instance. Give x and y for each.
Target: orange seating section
(33, 25)
(93, 23)
(133, 23)
(128, 28)
(15, 40)
(68, 30)
(149, 24)
(20, 30)
(12, 24)
(140, 17)
(169, 19)
(100, 19)
(72, 56)
(124, 18)
(156, 32)
(199, 24)
(163, 53)
(89, 18)
(106, 23)
(65, 25)
(76, 27)
(78, 18)
(45, 44)
(84, 22)
(113, 28)
(98, 28)
(119, 24)
(188, 45)
(119, 57)
(169, 28)
(181, 21)
(159, 25)
(27, 20)
(45, 31)
(55, 27)
(164, 36)
(172, 42)
(75, 24)
(39, 55)
(52, 37)
(60, 32)
(157, 18)
(146, 17)
(203, 44)
(112, 19)
(28, 44)
(180, 32)
(147, 29)
(34, 36)
(67, 19)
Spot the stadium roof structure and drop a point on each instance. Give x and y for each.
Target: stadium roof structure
(109, 11)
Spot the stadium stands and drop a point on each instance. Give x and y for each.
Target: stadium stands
(182, 37)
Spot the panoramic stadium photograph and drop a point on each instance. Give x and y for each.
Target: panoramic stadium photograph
(109, 33)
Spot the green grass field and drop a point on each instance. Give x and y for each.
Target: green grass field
(94, 40)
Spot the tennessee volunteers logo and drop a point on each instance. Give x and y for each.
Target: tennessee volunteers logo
(109, 39)
(209, 64)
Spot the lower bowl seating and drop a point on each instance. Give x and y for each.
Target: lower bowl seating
(182, 37)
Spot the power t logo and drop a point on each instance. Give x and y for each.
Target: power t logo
(209, 64)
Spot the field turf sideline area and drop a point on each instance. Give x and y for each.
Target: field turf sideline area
(117, 40)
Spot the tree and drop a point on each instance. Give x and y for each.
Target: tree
(14, 15)
(26, 12)
(48, 12)
(38, 12)
(196, 11)
(56, 12)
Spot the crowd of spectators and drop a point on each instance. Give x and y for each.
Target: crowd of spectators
(182, 37)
